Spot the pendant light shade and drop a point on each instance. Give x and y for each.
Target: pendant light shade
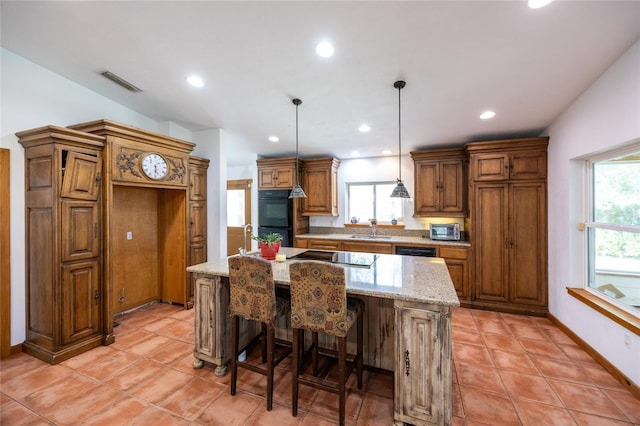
(400, 191)
(297, 191)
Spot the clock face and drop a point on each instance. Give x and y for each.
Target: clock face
(154, 166)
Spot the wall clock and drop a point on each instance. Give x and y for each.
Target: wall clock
(154, 166)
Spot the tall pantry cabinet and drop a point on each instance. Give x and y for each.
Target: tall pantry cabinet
(64, 290)
(508, 187)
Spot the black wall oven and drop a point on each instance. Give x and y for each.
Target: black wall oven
(275, 214)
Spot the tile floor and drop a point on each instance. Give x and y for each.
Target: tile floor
(508, 370)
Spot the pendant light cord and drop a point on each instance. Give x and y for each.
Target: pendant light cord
(297, 102)
(296, 143)
(399, 137)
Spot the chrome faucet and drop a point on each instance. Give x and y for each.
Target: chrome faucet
(244, 241)
(374, 222)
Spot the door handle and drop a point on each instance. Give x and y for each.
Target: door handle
(407, 363)
(96, 296)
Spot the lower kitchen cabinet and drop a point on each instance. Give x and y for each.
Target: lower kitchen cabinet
(212, 325)
(423, 339)
(458, 264)
(359, 246)
(323, 244)
(510, 246)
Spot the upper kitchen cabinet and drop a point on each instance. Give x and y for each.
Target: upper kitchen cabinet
(515, 159)
(440, 182)
(320, 183)
(276, 173)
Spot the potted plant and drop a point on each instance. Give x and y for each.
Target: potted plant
(269, 244)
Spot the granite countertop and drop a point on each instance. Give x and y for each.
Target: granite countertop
(409, 278)
(393, 239)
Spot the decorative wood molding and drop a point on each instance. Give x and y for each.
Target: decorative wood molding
(129, 163)
(5, 255)
(617, 374)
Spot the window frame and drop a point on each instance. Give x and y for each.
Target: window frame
(375, 198)
(610, 307)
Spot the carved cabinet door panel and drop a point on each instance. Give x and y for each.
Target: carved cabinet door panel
(81, 179)
(423, 365)
(81, 301)
(80, 230)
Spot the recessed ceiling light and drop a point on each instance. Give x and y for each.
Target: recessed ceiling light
(386, 152)
(324, 49)
(355, 154)
(536, 4)
(195, 81)
(274, 138)
(364, 128)
(487, 115)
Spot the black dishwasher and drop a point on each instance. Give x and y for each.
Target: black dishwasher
(416, 251)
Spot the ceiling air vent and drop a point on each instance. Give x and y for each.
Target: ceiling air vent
(120, 81)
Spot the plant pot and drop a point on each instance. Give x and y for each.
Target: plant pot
(269, 252)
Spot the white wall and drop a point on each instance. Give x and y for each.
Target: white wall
(376, 169)
(603, 117)
(34, 97)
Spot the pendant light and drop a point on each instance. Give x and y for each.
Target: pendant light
(400, 191)
(297, 191)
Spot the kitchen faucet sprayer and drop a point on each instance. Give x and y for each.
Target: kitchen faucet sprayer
(243, 250)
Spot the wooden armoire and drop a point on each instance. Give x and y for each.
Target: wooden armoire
(64, 286)
(147, 223)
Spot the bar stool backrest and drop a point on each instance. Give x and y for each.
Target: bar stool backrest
(319, 298)
(251, 288)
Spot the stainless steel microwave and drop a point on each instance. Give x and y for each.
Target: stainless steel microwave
(444, 231)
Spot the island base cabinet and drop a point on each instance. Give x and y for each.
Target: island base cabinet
(423, 394)
(212, 325)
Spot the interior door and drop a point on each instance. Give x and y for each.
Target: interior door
(238, 215)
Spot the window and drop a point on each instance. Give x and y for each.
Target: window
(613, 227)
(367, 200)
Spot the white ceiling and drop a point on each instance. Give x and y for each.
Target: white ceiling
(458, 59)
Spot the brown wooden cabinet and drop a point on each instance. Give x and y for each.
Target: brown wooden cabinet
(64, 291)
(440, 182)
(509, 225)
(458, 265)
(423, 352)
(276, 173)
(367, 247)
(196, 219)
(320, 183)
(324, 244)
(495, 161)
(146, 220)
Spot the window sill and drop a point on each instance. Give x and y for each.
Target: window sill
(379, 225)
(609, 310)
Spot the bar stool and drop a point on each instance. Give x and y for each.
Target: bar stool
(253, 297)
(319, 303)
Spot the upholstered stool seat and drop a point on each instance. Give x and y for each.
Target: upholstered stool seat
(319, 303)
(252, 296)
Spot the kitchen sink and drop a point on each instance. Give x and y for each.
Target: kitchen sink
(371, 237)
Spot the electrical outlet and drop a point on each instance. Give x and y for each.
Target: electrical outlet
(627, 340)
(129, 235)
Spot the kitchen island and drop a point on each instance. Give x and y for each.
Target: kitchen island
(408, 304)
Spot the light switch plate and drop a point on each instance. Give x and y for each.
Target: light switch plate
(129, 235)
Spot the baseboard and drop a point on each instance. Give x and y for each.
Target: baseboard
(617, 374)
(16, 349)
